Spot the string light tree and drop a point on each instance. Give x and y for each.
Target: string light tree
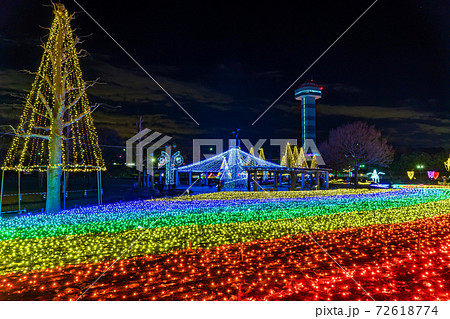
(56, 132)
(447, 164)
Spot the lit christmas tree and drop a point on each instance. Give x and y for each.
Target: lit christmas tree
(301, 159)
(283, 161)
(56, 131)
(295, 154)
(447, 164)
(314, 163)
(261, 154)
(289, 156)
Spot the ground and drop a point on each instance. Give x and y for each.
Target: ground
(317, 245)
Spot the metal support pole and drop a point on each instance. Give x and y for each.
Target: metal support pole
(303, 180)
(64, 190)
(275, 180)
(18, 187)
(150, 171)
(98, 189)
(293, 176)
(144, 178)
(1, 196)
(317, 186)
(101, 187)
(318, 180)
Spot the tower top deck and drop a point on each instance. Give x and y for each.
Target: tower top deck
(308, 89)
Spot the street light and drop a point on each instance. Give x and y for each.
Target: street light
(420, 167)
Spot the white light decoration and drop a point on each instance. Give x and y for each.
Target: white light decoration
(170, 162)
(375, 176)
(231, 165)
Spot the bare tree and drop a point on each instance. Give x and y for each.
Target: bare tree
(352, 145)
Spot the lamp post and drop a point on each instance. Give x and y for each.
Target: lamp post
(170, 161)
(420, 168)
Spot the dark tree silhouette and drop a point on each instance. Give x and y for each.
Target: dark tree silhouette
(352, 145)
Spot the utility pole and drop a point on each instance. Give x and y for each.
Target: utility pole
(139, 128)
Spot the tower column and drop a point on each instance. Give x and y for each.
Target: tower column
(307, 94)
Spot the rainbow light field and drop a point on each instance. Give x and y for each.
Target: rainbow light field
(235, 246)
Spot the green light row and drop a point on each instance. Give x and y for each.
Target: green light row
(275, 194)
(206, 216)
(23, 255)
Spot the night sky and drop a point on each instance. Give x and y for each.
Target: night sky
(226, 62)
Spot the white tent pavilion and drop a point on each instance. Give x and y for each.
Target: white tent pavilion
(231, 166)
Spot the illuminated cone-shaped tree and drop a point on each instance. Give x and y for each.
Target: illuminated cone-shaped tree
(252, 151)
(314, 162)
(447, 164)
(289, 156)
(283, 161)
(295, 154)
(301, 159)
(56, 130)
(261, 154)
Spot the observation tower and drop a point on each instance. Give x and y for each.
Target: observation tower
(308, 93)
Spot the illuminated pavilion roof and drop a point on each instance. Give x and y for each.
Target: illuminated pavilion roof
(233, 157)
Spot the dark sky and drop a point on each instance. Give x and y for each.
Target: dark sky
(226, 62)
